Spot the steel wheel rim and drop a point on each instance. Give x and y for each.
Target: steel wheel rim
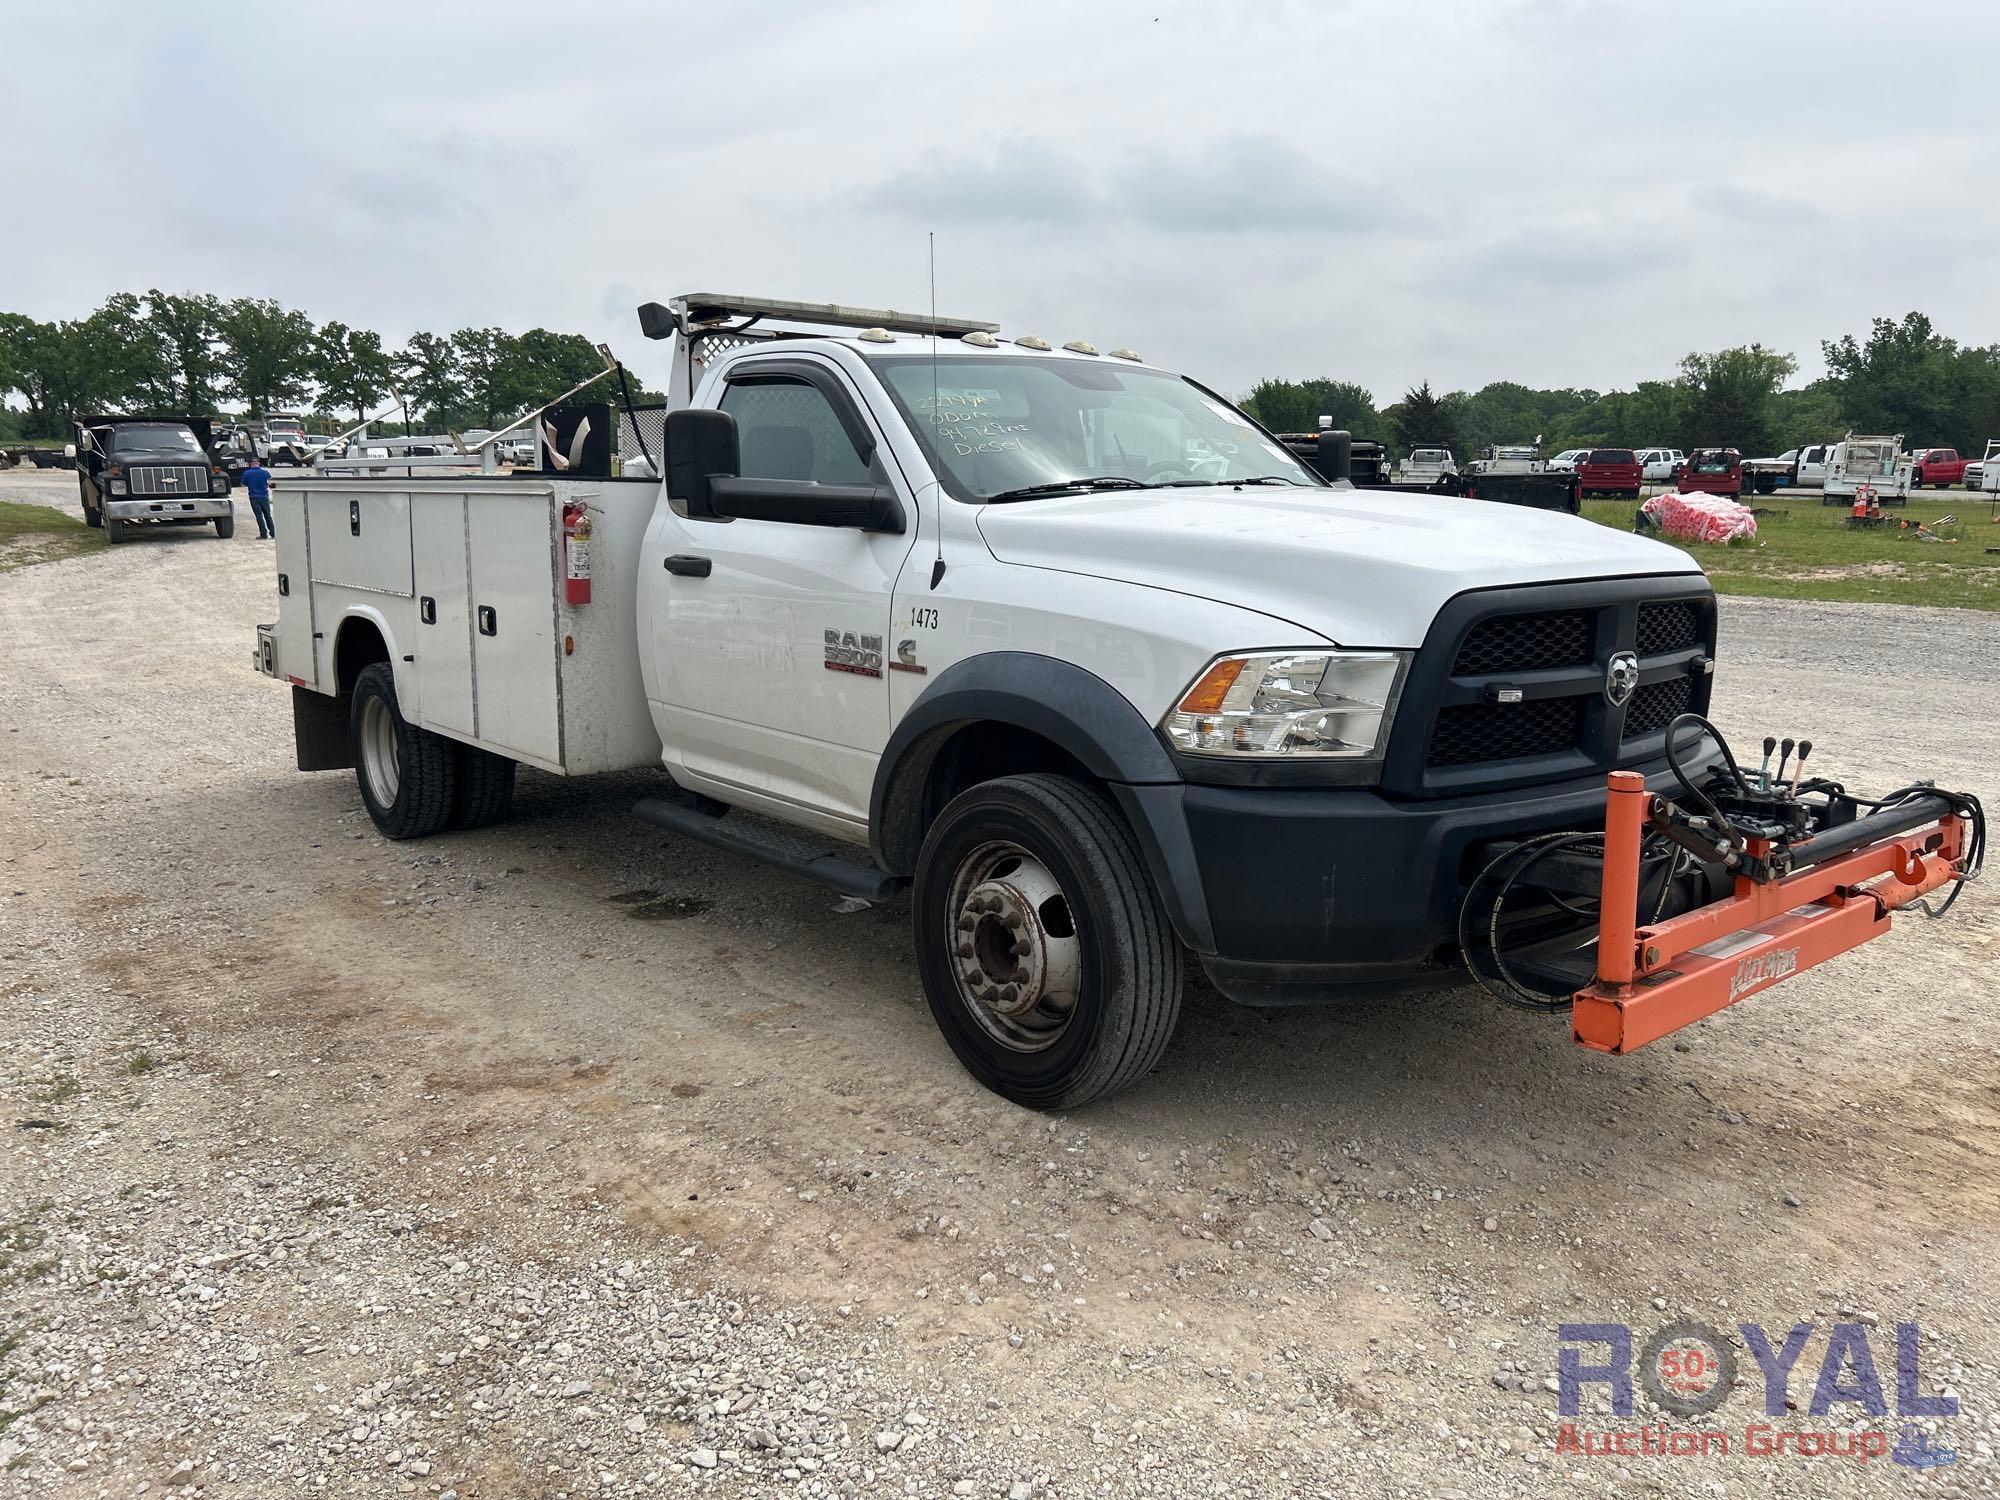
(380, 758)
(1015, 955)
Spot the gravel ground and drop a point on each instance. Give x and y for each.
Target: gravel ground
(567, 1159)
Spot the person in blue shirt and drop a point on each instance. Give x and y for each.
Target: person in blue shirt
(257, 485)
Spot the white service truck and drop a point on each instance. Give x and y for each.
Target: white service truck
(1061, 641)
(1859, 462)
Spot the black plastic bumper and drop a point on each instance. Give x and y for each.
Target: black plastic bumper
(1298, 895)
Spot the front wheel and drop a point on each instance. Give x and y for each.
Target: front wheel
(225, 526)
(1047, 961)
(114, 529)
(406, 773)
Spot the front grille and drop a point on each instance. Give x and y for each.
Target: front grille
(1653, 707)
(1524, 643)
(1671, 626)
(168, 479)
(1469, 733)
(1551, 647)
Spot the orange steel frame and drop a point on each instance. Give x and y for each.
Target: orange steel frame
(1653, 980)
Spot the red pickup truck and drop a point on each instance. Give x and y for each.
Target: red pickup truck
(1712, 471)
(1942, 467)
(1609, 471)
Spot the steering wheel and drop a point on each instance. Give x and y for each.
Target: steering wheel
(1176, 465)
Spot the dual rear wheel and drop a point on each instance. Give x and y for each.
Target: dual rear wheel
(415, 783)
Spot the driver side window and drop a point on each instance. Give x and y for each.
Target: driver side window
(788, 429)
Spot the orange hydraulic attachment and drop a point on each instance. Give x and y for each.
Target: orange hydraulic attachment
(1651, 981)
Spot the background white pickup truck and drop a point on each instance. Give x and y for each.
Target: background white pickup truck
(1063, 642)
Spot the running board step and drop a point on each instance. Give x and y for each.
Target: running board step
(799, 853)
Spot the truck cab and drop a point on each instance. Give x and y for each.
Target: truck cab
(1057, 641)
(150, 471)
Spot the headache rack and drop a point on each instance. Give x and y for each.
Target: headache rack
(709, 324)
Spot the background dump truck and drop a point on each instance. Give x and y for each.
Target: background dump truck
(1059, 643)
(150, 471)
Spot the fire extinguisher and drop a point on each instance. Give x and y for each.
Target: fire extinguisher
(576, 552)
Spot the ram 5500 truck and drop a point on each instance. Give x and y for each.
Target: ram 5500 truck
(1061, 641)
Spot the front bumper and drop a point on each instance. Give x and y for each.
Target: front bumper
(1299, 895)
(169, 508)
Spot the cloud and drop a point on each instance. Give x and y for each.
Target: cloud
(1251, 185)
(1242, 185)
(1021, 180)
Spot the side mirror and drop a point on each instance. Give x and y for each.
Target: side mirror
(1336, 454)
(701, 447)
(800, 502)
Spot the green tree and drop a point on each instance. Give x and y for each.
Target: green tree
(482, 358)
(1423, 420)
(1727, 399)
(185, 329)
(428, 374)
(353, 370)
(267, 352)
(1910, 378)
(1297, 405)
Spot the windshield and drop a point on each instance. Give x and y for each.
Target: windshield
(994, 426)
(152, 436)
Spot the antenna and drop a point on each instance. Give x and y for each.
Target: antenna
(937, 567)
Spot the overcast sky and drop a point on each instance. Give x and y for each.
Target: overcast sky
(1562, 192)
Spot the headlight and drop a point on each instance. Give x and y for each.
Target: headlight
(1295, 705)
(218, 484)
(117, 486)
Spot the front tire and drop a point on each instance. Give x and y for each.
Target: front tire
(406, 773)
(114, 529)
(1045, 956)
(225, 527)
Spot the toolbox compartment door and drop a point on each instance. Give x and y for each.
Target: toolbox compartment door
(511, 545)
(360, 538)
(442, 637)
(297, 660)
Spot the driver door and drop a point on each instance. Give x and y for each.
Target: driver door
(771, 634)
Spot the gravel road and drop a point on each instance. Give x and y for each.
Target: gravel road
(567, 1159)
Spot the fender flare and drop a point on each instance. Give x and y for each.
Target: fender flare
(1081, 714)
(397, 666)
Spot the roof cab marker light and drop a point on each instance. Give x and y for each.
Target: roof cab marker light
(1131, 354)
(876, 336)
(979, 338)
(1080, 346)
(1031, 341)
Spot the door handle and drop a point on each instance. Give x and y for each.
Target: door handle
(427, 610)
(683, 565)
(489, 620)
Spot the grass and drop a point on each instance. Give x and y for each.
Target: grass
(1804, 550)
(35, 533)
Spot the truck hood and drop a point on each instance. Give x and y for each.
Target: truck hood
(1359, 567)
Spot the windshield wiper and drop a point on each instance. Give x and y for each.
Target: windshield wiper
(1062, 486)
(1186, 484)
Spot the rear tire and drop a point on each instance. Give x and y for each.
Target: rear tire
(225, 526)
(1047, 961)
(484, 789)
(406, 774)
